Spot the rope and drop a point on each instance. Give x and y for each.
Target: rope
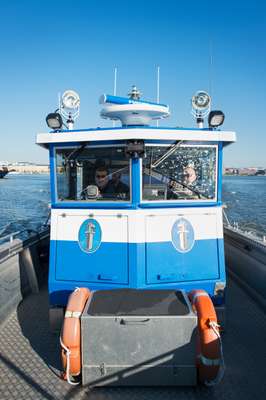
(215, 327)
(68, 352)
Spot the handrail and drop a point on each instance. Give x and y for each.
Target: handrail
(10, 248)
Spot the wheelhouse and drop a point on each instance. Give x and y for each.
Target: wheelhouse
(163, 184)
(167, 172)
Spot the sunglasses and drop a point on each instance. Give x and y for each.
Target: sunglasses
(101, 176)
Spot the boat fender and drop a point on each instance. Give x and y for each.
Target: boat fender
(71, 336)
(210, 361)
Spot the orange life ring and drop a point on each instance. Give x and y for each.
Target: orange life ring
(209, 347)
(70, 335)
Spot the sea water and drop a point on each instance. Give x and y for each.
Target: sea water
(245, 198)
(24, 202)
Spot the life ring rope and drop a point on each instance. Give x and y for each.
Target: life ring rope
(207, 320)
(215, 327)
(70, 338)
(68, 352)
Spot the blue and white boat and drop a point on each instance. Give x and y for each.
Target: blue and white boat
(137, 207)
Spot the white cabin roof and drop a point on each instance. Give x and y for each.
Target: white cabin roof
(144, 133)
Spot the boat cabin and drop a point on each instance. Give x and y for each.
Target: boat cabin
(136, 206)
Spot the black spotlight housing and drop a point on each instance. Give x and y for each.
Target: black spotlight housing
(215, 119)
(54, 121)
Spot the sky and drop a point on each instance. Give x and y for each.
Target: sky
(49, 46)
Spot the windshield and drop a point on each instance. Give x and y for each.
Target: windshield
(92, 174)
(179, 172)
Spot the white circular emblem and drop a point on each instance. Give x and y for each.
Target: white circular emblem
(90, 236)
(183, 237)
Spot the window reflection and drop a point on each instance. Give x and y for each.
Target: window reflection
(179, 173)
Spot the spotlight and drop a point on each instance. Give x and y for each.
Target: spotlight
(54, 121)
(69, 107)
(70, 100)
(201, 100)
(215, 119)
(201, 103)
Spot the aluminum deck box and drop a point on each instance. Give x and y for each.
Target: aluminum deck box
(138, 337)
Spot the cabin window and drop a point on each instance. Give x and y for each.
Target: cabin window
(179, 172)
(92, 174)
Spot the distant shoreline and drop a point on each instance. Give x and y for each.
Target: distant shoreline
(28, 173)
(243, 175)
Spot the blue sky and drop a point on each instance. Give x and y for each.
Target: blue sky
(50, 46)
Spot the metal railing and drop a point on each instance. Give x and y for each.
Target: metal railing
(234, 226)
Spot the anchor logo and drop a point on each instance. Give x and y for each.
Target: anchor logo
(183, 235)
(90, 236)
(182, 232)
(90, 232)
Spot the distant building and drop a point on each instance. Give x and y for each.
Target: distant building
(231, 171)
(261, 172)
(29, 168)
(248, 171)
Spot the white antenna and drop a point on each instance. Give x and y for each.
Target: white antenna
(59, 101)
(210, 67)
(158, 89)
(115, 80)
(115, 76)
(158, 84)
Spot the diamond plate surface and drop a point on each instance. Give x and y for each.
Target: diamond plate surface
(30, 365)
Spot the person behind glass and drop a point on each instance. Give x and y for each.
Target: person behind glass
(189, 175)
(102, 180)
(110, 188)
(118, 186)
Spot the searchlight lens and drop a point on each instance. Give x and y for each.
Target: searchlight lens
(201, 100)
(70, 100)
(54, 121)
(215, 119)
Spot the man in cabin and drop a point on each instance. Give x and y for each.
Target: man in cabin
(189, 175)
(113, 188)
(102, 179)
(119, 187)
(188, 180)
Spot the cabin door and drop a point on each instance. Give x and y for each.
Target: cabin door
(92, 249)
(181, 248)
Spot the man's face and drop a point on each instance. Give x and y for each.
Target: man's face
(189, 175)
(101, 178)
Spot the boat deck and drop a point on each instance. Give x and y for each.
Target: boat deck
(30, 365)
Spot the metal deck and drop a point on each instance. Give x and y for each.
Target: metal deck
(30, 365)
